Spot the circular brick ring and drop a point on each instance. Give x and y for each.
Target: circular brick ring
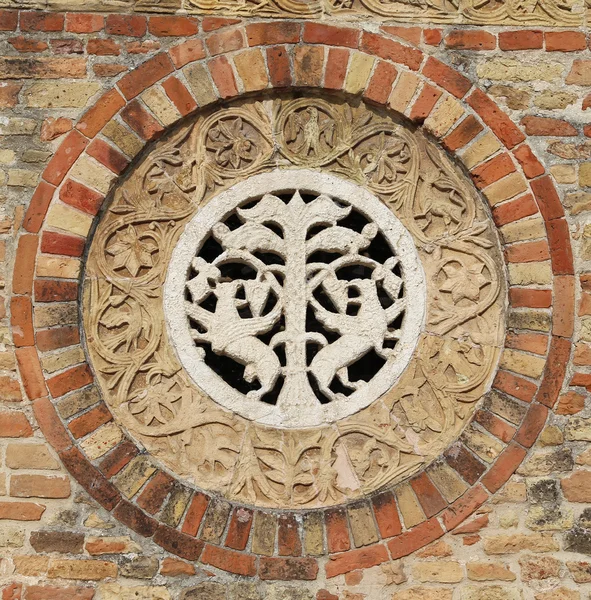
(221, 66)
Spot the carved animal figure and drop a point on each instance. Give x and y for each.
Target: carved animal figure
(231, 335)
(361, 332)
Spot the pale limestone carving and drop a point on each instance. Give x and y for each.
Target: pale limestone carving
(156, 399)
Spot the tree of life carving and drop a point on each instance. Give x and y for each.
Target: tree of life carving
(297, 300)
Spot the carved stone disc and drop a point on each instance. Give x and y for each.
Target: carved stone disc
(295, 298)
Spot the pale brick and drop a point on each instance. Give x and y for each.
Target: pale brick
(92, 174)
(60, 95)
(509, 544)
(114, 591)
(92, 570)
(530, 273)
(564, 173)
(478, 151)
(444, 116)
(68, 219)
(17, 126)
(442, 571)
(22, 178)
(408, 505)
(578, 429)
(403, 91)
(520, 362)
(129, 143)
(30, 456)
(525, 229)
(511, 69)
(56, 361)
(506, 188)
(489, 571)
(360, 67)
(102, 440)
(200, 84)
(60, 267)
(158, 102)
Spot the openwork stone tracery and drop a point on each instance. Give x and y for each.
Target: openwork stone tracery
(340, 455)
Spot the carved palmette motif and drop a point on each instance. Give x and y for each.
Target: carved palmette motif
(489, 12)
(155, 399)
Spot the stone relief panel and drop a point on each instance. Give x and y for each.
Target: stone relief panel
(253, 239)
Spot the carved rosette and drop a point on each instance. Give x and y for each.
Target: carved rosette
(157, 400)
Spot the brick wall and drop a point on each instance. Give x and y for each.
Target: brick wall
(531, 540)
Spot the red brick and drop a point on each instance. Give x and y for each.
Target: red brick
(144, 124)
(55, 291)
(288, 536)
(107, 156)
(429, 498)
(570, 403)
(587, 130)
(513, 210)
(67, 46)
(115, 460)
(532, 425)
(14, 425)
(223, 76)
(386, 514)
(410, 34)
(380, 85)
(555, 371)
(21, 321)
(195, 514)
(145, 75)
(69, 380)
(179, 95)
(465, 132)
(226, 41)
(547, 126)
(129, 25)
(167, 26)
(515, 386)
(41, 21)
(100, 47)
(58, 337)
(473, 526)
(319, 33)
(502, 126)
(99, 488)
(563, 318)
(460, 459)
(527, 252)
(504, 466)
(9, 94)
(10, 390)
(336, 68)
(446, 77)
(187, 52)
(463, 507)
(101, 113)
(8, 20)
(288, 569)
(363, 558)
(432, 37)
(565, 41)
(337, 530)
(39, 486)
(582, 355)
(213, 23)
(239, 529)
(79, 196)
(61, 162)
(23, 44)
(377, 45)
(31, 374)
(51, 425)
(173, 567)
(46, 592)
(21, 511)
(53, 242)
(26, 252)
(229, 560)
(182, 545)
(560, 249)
(90, 421)
(531, 166)
(270, 34)
(492, 170)
(522, 39)
(155, 492)
(84, 23)
(14, 591)
(279, 67)
(536, 343)
(53, 128)
(470, 39)
(415, 538)
(424, 104)
(494, 425)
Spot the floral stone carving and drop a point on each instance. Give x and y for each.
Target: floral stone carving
(294, 302)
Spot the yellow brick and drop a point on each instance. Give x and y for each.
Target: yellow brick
(520, 362)
(505, 188)
(102, 440)
(69, 219)
(60, 95)
(157, 101)
(585, 174)
(527, 229)
(200, 84)
(123, 138)
(60, 267)
(92, 174)
(530, 273)
(23, 178)
(252, 70)
(480, 150)
(444, 116)
(403, 91)
(564, 173)
(360, 67)
(56, 361)
(412, 513)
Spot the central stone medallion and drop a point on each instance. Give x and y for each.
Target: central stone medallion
(295, 298)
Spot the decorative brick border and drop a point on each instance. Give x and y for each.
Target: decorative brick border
(223, 65)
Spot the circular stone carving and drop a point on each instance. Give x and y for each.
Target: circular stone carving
(300, 309)
(152, 254)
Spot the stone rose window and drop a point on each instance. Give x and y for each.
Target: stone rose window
(295, 302)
